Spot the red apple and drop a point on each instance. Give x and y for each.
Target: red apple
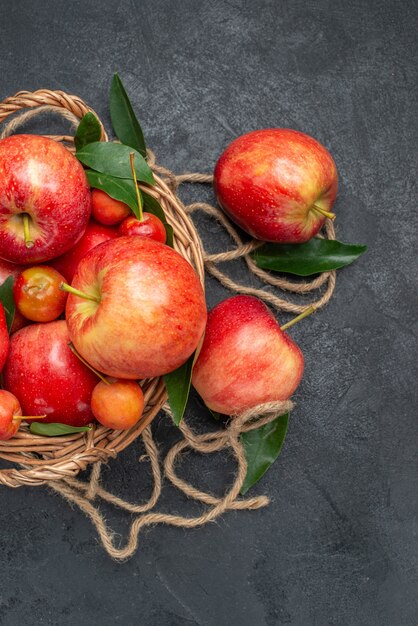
(45, 199)
(107, 210)
(277, 184)
(117, 403)
(47, 377)
(146, 312)
(9, 269)
(4, 338)
(37, 293)
(246, 359)
(94, 234)
(150, 227)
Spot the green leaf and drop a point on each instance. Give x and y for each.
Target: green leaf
(121, 189)
(7, 300)
(169, 233)
(304, 259)
(153, 206)
(178, 387)
(125, 124)
(114, 159)
(88, 131)
(262, 447)
(56, 430)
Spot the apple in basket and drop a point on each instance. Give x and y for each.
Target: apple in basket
(46, 377)
(94, 234)
(277, 184)
(45, 199)
(136, 308)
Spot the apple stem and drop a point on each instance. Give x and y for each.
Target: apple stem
(29, 417)
(138, 194)
(328, 214)
(295, 320)
(87, 364)
(29, 243)
(77, 292)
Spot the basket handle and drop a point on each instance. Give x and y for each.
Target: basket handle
(33, 103)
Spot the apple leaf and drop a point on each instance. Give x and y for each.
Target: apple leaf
(304, 259)
(125, 124)
(88, 131)
(169, 233)
(56, 430)
(7, 300)
(153, 206)
(114, 159)
(178, 387)
(262, 447)
(121, 189)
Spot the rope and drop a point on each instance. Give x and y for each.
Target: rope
(82, 494)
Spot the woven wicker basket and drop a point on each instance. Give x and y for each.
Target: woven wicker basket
(43, 459)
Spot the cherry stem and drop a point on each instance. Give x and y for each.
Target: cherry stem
(29, 243)
(295, 320)
(87, 364)
(328, 214)
(138, 194)
(29, 417)
(77, 292)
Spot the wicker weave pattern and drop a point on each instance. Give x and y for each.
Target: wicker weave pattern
(42, 459)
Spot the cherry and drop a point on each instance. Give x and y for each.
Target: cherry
(37, 293)
(106, 210)
(149, 227)
(11, 415)
(117, 403)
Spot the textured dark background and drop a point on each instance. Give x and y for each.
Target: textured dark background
(339, 543)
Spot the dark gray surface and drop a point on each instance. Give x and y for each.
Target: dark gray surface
(339, 543)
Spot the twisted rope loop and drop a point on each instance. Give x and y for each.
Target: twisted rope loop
(82, 493)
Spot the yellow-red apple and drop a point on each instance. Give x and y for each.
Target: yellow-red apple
(277, 184)
(137, 308)
(246, 359)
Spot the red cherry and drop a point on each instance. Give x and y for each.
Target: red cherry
(9, 407)
(11, 415)
(117, 403)
(150, 227)
(37, 293)
(106, 210)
